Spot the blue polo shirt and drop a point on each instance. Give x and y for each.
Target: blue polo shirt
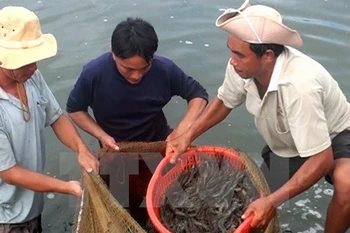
(131, 112)
(23, 144)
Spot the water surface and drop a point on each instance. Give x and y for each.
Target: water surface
(187, 35)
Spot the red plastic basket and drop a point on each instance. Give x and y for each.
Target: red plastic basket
(161, 182)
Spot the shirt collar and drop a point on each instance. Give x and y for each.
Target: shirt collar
(273, 85)
(3, 94)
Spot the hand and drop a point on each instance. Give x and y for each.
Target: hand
(174, 135)
(176, 146)
(88, 161)
(74, 188)
(262, 210)
(108, 142)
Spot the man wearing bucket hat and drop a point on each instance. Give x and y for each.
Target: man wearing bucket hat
(27, 106)
(298, 107)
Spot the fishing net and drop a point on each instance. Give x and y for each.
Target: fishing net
(100, 211)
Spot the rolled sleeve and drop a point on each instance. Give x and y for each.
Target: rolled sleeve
(308, 124)
(232, 92)
(7, 157)
(53, 110)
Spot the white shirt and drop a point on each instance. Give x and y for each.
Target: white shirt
(302, 109)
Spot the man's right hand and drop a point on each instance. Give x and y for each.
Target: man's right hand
(108, 142)
(175, 147)
(75, 188)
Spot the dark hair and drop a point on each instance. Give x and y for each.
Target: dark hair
(260, 49)
(132, 37)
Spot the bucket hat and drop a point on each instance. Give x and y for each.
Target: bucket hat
(258, 24)
(21, 39)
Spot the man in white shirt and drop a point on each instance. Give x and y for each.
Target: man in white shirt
(298, 107)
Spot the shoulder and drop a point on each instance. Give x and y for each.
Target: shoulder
(302, 72)
(99, 64)
(95, 68)
(165, 67)
(162, 63)
(297, 63)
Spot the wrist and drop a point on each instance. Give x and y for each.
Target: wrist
(70, 188)
(277, 199)
(82, 149)
(101, 135)
(271, 199)
(67, 189)
(191, 134)
(60, 186)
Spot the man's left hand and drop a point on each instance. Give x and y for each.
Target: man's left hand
(88, 161)
(262, 210)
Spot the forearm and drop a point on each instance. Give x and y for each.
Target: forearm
(214, 113)
(195, 108)
(34, 181)
(87, 123)
(308, 174)
(68, 135)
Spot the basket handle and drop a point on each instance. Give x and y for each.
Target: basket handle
(164, 163)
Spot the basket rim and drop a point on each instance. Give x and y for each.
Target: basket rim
(242, 228)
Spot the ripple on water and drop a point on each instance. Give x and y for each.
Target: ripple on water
(50, 196)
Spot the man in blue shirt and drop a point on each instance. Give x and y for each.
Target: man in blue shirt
(127, 89)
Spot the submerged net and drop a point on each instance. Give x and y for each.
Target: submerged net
(99, 211)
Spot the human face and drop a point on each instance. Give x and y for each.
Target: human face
(132, 69)
(22, 74)
(244, 61)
